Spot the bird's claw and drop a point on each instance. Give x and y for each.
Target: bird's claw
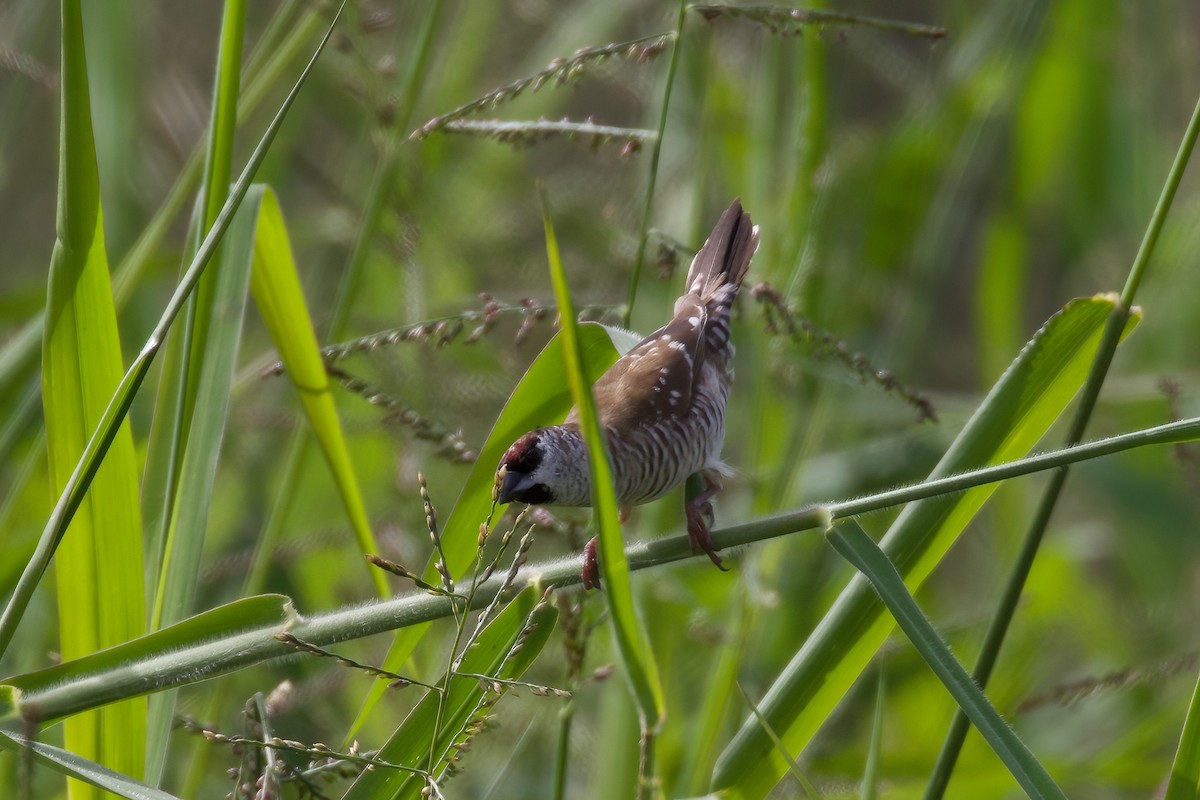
(591, 567)
(699, 521)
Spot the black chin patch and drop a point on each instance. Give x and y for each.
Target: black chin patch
(537, 494)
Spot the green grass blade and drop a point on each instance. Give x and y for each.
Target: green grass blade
(527, 621)
(187, 524)
(1016, 413)
(99, 566)
(107, 429)
(853, 544)
(195, 389)
(1185, 770)
(188, 349)
(76, 766)
(632, 643)
(541, 397)
(275, 286)
(870, 779)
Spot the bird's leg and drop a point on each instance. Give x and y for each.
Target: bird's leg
(699, 490)
(591, 567)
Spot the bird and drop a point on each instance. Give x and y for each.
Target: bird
(662, 405)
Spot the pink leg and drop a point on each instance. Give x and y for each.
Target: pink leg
(699, 512)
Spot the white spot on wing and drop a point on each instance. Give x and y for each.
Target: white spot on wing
(694, 322)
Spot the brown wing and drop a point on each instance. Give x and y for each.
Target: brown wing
(657, 377)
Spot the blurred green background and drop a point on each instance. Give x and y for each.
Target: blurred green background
(929, 203)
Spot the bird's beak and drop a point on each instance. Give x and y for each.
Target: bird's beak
(514, 484)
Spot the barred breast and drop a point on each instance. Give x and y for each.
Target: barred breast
(652, 459)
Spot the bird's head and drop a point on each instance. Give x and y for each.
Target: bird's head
(545, 466)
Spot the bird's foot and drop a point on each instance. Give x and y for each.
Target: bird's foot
(591, 566)
(699, 520)
(700, 517)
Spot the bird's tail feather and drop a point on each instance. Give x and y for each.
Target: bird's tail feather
(717, 271)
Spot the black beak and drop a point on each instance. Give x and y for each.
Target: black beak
(514, 484)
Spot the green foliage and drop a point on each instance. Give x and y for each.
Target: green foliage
(930, 190)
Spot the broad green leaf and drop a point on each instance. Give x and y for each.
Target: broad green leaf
(277, 293)
(1185, 770)
(76, 766)
(99, 565)
(633, 646)
(526, 620)
(541, 398)
(853, 544)
(1012, 418)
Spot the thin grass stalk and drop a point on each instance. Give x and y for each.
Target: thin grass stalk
(874, 751)
(1010, 597)
(655, 152)
(213, 657)
(810, 791)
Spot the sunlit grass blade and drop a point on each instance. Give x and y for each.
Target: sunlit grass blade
(99, 565)
(97, 776)
(275, 286)
(107, 429)
(1012, 418)
(527, 620)
(542, 397)
(633, 646)
(853, 544)
(1185, 770)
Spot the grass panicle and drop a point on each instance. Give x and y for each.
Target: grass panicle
(792, 21)
(559, 72)
(396, 681)
(445, 330)
(781, 318)
(592, 135)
